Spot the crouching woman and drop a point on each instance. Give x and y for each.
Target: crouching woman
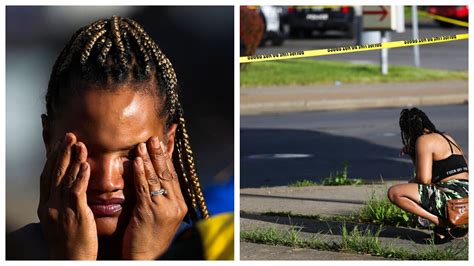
(441, 172)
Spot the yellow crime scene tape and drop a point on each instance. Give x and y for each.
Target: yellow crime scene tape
(351, 49)
(445, 19)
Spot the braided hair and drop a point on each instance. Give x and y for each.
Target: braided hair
(115, 50)
(414, 123)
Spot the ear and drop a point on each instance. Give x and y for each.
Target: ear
(46, 133)
(170, 135)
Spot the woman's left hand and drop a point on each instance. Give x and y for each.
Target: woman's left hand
(155, 218)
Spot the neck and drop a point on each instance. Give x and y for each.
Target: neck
(110, 248)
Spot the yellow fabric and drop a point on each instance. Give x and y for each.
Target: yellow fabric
(217, 234)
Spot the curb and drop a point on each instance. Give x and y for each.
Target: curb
(344, 104)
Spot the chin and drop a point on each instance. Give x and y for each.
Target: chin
(107, 226)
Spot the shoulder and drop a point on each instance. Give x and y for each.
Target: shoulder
(426, 141)
(26, 243)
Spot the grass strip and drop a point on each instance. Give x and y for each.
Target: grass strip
(358, 241)
(341, 178)
(381, 211)
(376, 210)
(310, 71)
(324, 218)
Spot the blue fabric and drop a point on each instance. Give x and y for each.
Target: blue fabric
(182, 227)
(220, 198)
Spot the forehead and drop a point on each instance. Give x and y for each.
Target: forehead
(113, 119)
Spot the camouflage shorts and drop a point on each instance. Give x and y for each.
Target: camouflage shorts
(435, 197)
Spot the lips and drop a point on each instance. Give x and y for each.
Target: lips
(106, 207)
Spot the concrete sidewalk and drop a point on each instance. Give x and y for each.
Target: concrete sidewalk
(251, 251)
(351, 96)
(319, 200)
(310, 200)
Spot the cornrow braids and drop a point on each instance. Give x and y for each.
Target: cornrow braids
(115, 50)
(414, 123)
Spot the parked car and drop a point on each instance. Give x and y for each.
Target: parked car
(455, 12)
(304, 20)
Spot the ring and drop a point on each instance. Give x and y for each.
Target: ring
(161, 191)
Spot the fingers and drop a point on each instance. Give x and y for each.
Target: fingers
(158, 156)
(169, 164)
(76, 167)
(62, 163)
(141, 184)
(150, 173)
(77, 195)
(153, 170)
(171, 181)
(163, 166)
(79, 156)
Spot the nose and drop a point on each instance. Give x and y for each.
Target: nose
(106, 175)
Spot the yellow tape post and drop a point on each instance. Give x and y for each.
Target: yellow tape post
(445, 19)
(351, 49)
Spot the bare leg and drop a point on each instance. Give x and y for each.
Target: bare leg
(406, 197)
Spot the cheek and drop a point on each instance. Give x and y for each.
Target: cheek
(127, 175)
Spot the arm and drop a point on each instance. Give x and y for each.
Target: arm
(424, 160)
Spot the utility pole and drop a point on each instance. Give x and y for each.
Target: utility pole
(384, 53)
(414, 23)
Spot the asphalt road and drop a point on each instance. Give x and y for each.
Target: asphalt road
(450, 55)
(278, 149)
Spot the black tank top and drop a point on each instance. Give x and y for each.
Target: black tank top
(450, 166)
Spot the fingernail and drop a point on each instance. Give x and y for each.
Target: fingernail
(68, 138)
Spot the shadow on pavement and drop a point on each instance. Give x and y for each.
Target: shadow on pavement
(335, 228)
(277, 157)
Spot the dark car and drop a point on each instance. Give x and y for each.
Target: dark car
(305, 20)
(454, 12)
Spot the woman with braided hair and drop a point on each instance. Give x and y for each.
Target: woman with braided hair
(120, 180)
(441, 171)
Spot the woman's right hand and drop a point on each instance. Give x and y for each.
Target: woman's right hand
(66, 220)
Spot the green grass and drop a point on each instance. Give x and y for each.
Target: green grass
(304, 183)
(328, 218)
(358, 241)
(375, 211)
(341, 178)
(421, 19)
(381, 211)
(309, 71)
